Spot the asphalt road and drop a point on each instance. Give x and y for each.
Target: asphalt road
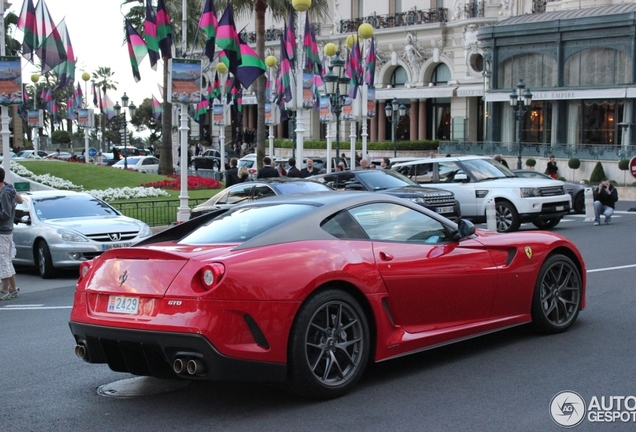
(501, 382)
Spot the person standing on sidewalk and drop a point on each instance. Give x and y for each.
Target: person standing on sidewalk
(8, 198)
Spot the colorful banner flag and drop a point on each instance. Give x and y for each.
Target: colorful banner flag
(354, 69)
(251, 65)
(164, 30)
(51, 52)
(65, 70)
(369, 75)
(289, 38)
(137, 49)
(208, 23)
(94, 92)
(150, 35)
(27, 23)
(227, 39)
(285, 74)
(156, 108)
(201, 110)
(216, 89)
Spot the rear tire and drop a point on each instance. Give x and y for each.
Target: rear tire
(579, 203)
(557, 295)
(328, 346)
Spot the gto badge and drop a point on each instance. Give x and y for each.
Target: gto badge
(528, 250)
(174, 303)
(123, 277)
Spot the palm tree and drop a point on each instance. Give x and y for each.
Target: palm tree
(279, 10)
(103, 78)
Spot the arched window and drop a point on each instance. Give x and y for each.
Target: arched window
(598, 66)
(441, 74)
(536, 71)
(398, 77)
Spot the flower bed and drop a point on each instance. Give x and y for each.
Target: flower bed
(194, 183)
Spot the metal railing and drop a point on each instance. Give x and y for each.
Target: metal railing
(412, 17)
(608, 152)
(154, 213)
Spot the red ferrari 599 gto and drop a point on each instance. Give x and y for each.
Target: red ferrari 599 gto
(306, 289)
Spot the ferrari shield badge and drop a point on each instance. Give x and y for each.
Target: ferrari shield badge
(528, 250)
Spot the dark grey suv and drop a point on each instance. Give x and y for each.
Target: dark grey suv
(393, 183)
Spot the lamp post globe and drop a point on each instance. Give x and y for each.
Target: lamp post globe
(520, 101)
(301, 5)
(35, 78)
(86, 76)
(330, 49)
(221, 68)
(351, 39)
(365, 31)
(271, 61)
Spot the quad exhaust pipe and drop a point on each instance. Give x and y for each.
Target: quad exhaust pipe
(185, 365)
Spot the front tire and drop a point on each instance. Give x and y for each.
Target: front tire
(507, 217)
(328, 346)
(557, 295)
(546, 224)
(44, 261)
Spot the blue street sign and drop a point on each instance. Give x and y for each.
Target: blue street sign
(92, 152)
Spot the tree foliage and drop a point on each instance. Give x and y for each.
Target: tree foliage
(598, 173)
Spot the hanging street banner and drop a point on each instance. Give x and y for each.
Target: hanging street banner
(10, 81)
(186, 81)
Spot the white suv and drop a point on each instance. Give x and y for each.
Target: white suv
(475, 180)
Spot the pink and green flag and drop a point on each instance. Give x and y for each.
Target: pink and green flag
(137, 49)
(227, 39)
(251, 65)
(164, 30)
(27, 23)
(369, 75)
(208, 23)
(65, 70)
(150, 35)
(156, 108)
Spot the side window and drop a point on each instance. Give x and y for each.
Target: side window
(343, 226)
(263, 191)
(237, 195)
(393, 222)
(448, 171)
(423, 173)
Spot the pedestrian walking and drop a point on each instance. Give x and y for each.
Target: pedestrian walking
(8, 199)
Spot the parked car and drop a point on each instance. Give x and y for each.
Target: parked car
(475, 180)
(576, 190)
(308, 289)
(30, 154)
(210, 159)
(143, 164)
(393, 183)
(255, 190)
(61, 229)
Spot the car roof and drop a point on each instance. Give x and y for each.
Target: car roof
(437, 159)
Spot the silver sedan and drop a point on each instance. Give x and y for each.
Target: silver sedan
(61, 229)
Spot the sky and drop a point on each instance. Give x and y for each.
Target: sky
(97, 35)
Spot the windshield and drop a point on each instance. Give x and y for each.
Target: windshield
(131, 161)
(486, 169)
(300, 187)
(243, 224)
(66, 207)
(375, 180)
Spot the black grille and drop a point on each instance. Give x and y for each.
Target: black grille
(448, 200)
(552, 191)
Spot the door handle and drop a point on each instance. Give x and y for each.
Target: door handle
(386, 256)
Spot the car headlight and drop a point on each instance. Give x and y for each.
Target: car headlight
(145, 231)
(71, 236)
(530, 192)
(418, 200)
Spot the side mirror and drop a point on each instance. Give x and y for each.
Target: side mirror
(26, 219)
(465, 228)
(354, 186)
(460, 177)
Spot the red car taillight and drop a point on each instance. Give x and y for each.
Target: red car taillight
(211, 275)
(84, 268)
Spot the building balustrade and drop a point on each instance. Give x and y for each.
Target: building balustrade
(412, 17)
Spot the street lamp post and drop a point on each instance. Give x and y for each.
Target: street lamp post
(86, 76)
(300, 6)
(35, 78)
(333, 81)
(271, 63)
(222, 70)
(131, 109)
(394, 111)
(520, 102)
